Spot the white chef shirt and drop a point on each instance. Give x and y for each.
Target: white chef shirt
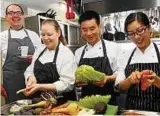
(66, 66)
(149, 56)
(17, 34)
(97, 51)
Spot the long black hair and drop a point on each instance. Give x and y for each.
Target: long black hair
(139, 16)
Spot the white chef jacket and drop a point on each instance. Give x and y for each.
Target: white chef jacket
(149, 56)
(65, 63)
(97, 51)
(17, 34)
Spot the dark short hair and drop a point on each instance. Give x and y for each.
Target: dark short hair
(15, 5)
(88, 15)
(139, 16)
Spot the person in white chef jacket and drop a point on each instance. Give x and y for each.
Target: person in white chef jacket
(53, 66)
(139, 68)
(11, 41)
(98, 53)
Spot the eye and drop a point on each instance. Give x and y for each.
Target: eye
(50, 34)
(18, 12)
(130, 34)
(42, 34)
(140, 30)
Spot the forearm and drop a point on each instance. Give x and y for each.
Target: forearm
(125, 85)
(48, 87)
(112, 78)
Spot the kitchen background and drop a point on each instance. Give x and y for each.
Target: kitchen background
(113, 14)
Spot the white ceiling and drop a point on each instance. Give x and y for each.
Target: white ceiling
(39, 4)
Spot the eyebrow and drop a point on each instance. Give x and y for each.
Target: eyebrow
(136, 29)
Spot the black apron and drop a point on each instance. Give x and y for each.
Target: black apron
(150, 98)
(14, 67)
(47, 73)
(101, 64)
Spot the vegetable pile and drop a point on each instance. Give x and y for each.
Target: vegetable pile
(91, 101)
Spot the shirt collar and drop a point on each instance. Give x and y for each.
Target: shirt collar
(147, 49)
(97, 44)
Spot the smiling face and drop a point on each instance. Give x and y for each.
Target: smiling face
(50, 36)
(139, 34)
(90, 31)
(15, 17)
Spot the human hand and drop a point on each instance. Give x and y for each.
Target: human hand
(29, 59)
(31, 80)
(80, 84)
(32, 89)
(135, 77)
(148, 78)
(3, 92)
(104, 81)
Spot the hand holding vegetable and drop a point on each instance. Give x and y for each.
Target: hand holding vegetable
(104, 81)
(31, 80)
(135, 77)
(32, 89)
(147, 79)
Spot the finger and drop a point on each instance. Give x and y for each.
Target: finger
(29, 84)
(133, 77)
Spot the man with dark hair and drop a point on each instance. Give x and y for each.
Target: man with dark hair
(98, 53)
(12, 40)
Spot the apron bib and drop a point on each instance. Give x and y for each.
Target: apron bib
(150, 98)
(101, 64)
(14, 67)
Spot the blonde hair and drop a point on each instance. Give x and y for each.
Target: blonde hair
(57, 28)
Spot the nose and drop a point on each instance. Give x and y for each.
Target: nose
(45, 37)
(89, 32)
(136, 36)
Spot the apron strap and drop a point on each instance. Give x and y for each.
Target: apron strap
(104, 48)
(157, 52)
(56, 52)
(129, 60)
(42, 52)
(82, 54)
(26, 33)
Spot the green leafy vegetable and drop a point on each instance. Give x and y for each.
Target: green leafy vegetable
(111, 110)
(90, 101)
(86, 73)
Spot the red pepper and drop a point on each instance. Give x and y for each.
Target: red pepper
(143, 79)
